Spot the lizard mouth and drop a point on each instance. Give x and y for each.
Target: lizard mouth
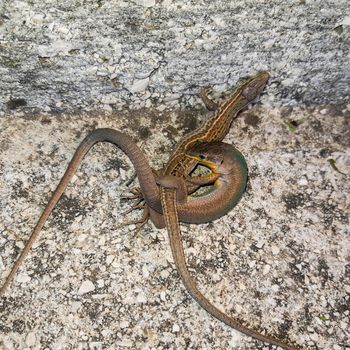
(212, 166)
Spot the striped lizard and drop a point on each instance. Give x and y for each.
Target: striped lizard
(180, 165)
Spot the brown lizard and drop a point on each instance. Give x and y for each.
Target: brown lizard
(180, 165)
(189, 210)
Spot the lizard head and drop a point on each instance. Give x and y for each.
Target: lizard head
(219, 157)
(253, 87)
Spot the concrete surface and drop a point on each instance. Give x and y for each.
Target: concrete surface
(279, 262)
(108, 55)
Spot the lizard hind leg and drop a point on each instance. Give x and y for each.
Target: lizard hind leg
(138, 222)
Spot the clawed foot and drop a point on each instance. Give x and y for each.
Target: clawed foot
(138, 222)
(209, 103)
(135, 194)
(139, 205)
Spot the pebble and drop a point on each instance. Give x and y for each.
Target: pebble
(31, 339)
(124, 324)
(275, 249)
(23, 278)
(266, 269)
(176, 328)
(86, 287)
(260, 244)
(139, 85)
(141, 298)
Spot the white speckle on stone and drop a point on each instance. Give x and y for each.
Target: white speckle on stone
(161, 108)
(252, 263)
(266, 269)
(275, 249)
(57, 47)
(75, 306)
(86, 287)
(110, 98)
(303, 182)
(242, 286)
(82, 237)
(346, 21)
(145, 271)
(164, 274)
(314, 337)
(259, 244)
(100, 283)
(124, 324)
(176, 328)
(126, 343)
(109, 259)
(163, 296)
(141, 298)
(8, 344)
(287, 82)
(173, 97)
(132, 227)
(23, 278)
(146, 3)
(275, 287)
(192, 251)
(347, 288)
(324, 111)
(344, 325)
(31, 339)
(105, 332)
(102, 241)
(139, 85)
(263, 223)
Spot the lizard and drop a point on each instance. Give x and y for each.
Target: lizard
(180, 165)
(222, 159)
(149, 189)
(242, 96)
(190, 210)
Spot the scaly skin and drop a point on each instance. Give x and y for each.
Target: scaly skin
(180, 165)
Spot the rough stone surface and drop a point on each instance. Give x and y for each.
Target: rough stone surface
(90, 55)
(279, 261)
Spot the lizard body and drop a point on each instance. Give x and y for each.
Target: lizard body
(180, 165)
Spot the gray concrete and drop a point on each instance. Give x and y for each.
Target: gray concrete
(279, 261)
(93, 55)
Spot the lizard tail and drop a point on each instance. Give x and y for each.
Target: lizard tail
(144, 172)
(168, 198)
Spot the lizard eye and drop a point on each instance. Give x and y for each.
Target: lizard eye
(201, 156)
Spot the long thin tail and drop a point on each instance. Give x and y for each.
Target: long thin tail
(83, 148)
(168, 198)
